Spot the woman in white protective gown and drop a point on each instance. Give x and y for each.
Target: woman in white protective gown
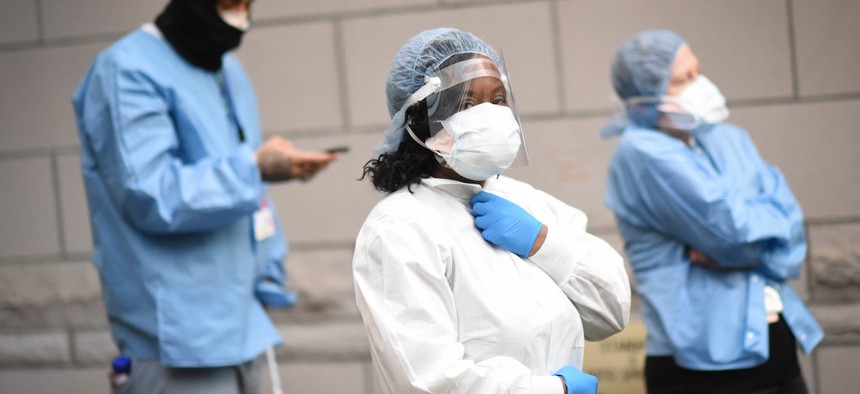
(468, 281)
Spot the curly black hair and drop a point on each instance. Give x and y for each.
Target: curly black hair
(409, 163)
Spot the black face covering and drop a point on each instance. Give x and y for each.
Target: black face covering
(197, 32)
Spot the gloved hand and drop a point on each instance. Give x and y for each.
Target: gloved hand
(504, 223)
(576, 381)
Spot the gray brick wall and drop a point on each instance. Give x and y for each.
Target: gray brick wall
(788, 68)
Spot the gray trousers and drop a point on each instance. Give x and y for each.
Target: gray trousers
(150, 377)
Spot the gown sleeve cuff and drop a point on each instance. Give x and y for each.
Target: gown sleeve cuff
(247, 155)
(556, 257)
(547, 385)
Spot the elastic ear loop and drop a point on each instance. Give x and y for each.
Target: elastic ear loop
(439, 155)
(659, 103)
(429, 88)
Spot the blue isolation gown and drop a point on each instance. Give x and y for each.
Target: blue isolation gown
(173, 189)
(718, 197)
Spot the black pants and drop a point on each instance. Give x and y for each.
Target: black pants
(779, 375)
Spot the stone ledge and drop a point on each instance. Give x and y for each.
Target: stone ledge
(841, 323)
(329, 341)
(95, 348)
(834, 254)
(334, 341)
(337, 341)
(34, 348)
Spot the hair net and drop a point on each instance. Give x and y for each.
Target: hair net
(419, 57)
(641, 68)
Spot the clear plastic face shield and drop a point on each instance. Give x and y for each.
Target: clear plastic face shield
(466, 102)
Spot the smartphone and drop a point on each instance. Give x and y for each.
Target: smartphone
(338, 149)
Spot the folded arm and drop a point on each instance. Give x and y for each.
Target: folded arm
(709, 215)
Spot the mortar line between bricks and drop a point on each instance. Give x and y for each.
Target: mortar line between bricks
(40, 24)
(792, 49)
(343, 80)
(58, 204)
(71, 334)
(555, 31)
(321, 17)
(537, 117)
(46, 259)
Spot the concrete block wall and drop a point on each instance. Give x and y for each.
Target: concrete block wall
(787, 67)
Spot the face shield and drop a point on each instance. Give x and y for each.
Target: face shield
(469, 105)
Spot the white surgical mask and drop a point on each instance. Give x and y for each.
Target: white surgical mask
(238, 19)
(699, 103)
(477, 143)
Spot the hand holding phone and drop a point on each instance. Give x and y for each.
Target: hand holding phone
(279, 160)
(337, 149)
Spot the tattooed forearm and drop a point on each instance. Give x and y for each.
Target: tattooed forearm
(274, 166)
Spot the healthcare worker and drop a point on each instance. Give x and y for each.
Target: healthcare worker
(712, 231)
(186, 239)
(467, 281)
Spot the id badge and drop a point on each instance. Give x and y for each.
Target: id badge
(264, 222)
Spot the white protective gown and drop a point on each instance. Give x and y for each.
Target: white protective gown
(447, 312)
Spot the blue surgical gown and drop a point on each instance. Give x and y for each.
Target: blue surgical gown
(718, 197)
(172, 190)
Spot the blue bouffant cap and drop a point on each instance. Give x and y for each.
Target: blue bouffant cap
(416, 59)
(643, 64)
(422, 54)
(642, 67)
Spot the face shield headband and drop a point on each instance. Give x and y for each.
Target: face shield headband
(468, 100)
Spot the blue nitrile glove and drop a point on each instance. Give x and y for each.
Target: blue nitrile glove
(576, 381)
(504, 223)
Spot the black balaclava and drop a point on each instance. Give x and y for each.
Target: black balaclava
(197, 32)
